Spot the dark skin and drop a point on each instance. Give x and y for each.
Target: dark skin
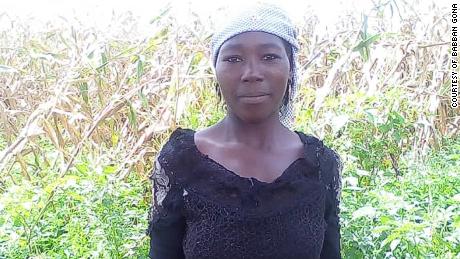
(251, 141)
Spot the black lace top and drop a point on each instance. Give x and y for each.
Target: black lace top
(203, 210)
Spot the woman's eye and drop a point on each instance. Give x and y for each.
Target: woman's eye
(232, 59)
(270, 57)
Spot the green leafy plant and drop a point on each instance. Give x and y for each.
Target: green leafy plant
(379, 144)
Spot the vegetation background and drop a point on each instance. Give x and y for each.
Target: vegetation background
(84, 110)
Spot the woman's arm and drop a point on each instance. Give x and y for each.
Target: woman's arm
(166, 222)
(331, 245)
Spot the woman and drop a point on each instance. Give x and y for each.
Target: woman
(248, 186)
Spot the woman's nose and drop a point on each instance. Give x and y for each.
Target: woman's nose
(251, 71)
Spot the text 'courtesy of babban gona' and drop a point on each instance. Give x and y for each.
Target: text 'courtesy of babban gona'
(454, 76)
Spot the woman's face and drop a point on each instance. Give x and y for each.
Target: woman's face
(252, 70)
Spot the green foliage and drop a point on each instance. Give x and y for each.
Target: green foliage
(415, 216)
(381, 135)
(366, 40)
(378, 144)
(90, 216)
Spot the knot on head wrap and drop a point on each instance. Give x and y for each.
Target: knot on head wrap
(271, 19)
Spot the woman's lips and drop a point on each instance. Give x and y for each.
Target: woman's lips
(254, 99)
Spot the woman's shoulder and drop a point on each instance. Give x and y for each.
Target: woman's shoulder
(329, 160)
(179, 138)
(319, 146)
(176, 150)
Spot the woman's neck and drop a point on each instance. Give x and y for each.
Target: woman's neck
(260, 136)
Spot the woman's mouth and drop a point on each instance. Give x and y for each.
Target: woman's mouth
(254, 99)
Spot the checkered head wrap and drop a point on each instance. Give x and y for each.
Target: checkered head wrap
(271, 19)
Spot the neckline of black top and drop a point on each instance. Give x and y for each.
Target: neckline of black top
(250, 179)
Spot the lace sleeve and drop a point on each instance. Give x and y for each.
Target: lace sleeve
(166, 221)
(332, 178)
(336, 183)
(160, 187)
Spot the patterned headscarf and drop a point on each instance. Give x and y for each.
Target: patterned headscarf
(271, 19)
